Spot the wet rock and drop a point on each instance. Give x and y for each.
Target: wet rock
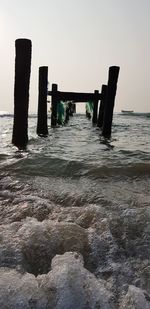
(90, 216)
(107, 241)
(67, 286)
(103, 247)
(134, 299)
(21, 291)
(86, 217)
(31, 244)
(145, 279)
(76, 287)
(42, 241)
(131, 232)
(10, 253)
(24, 207)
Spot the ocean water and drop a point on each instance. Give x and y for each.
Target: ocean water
(74, 215)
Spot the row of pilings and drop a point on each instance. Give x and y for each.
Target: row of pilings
(102, 118)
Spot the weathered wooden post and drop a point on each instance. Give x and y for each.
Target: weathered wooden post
(101, 107)
(74, 108)
(42, 128)
(54, 105)
(71, 109)
(23, 49)
(110, 100)
(67, 113)
(95, 107)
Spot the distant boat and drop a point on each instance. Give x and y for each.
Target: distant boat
(127, 112)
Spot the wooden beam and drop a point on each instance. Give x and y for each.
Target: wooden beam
(77, 96)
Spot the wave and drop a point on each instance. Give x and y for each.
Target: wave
(134, 170)
(134, 114)
(5, 114)
(146, 115)
(58, 167)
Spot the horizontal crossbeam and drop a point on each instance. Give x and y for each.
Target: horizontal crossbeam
(76, 96)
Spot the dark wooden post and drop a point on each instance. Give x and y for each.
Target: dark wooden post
(95, 107)
(67, 113)
(42, 128)
(23, 49)
(101, 107)
(54, 105)
(74, 108)
(110, 100)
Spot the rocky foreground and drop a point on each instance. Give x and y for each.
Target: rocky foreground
(72, 257)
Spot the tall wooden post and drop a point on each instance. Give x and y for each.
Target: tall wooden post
(54, 105)
(74, 108)
(67, 113)
(95, 107)
(42, 128)
(110, 100)
(23, 48)
(102, 106)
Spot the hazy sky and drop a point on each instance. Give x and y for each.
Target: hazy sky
(78, 40)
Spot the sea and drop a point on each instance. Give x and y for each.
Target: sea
(75, 215)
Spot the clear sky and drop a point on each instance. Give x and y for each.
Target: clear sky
(78, 40)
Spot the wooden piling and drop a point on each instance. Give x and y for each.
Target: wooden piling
(23, 48)
(95, 107)
(74, 108)
(71, 108)
(110, 100)
(101, 107)
(54, 105)
(67, 113)
(42, 128)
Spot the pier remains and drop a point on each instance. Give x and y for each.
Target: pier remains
(104, 100)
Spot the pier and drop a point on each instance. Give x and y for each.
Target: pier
(101, 118)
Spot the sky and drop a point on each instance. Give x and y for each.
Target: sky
(79, 40)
